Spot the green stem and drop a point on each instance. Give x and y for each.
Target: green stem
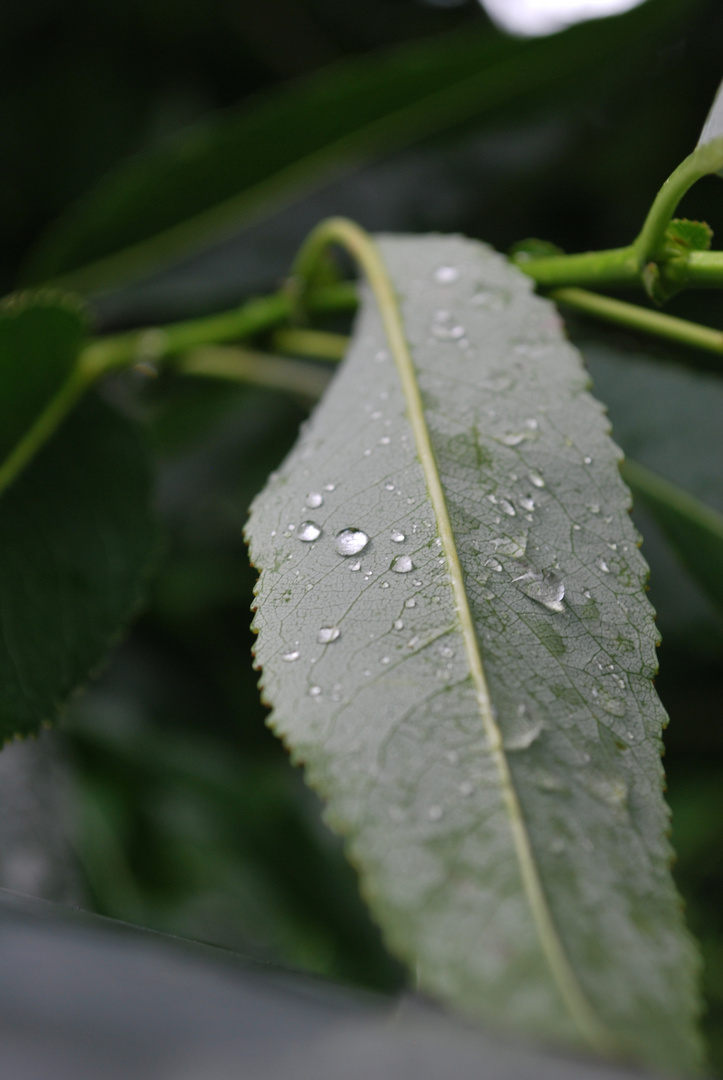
(256, 368)
(120, 351)
(625, 266)
(615, 267)
(316, 343)
(704, 160)
(254, 317)
(704, 269)
(637, 318)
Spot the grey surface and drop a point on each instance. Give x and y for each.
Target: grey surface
(36, 811)
(84, 998)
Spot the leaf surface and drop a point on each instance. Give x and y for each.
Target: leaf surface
(488, 743)
(76, 538)
(237, 167)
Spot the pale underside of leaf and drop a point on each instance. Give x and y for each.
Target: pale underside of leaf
(492, 754)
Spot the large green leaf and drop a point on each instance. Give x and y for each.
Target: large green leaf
(234, 168)
(76, 536)
(471, 689)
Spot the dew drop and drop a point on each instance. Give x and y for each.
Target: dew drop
(355, 566)
(398, 536)
(351, 541)
(587, 460)
(384, 585)
(602, 565)
(389, 487)
(594, 508)
(547, 589)
(514, 546)
(507, 508)
(410, 603)
(327, 634)
(614, 706)
(401, 564)
(527, 504)
(446, 652)
(384, 660)
(385, 440)
(398, 624)
(381, 356)
(515, 438)
(446, 275)
(329, 487)
(314, 691)
(494, 565)
(536, 480)
(435, 813)
(289, 657)
(314, 500)
(308, 531)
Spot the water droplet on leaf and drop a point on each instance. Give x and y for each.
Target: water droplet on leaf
(308, 531)
(536, 480)
(314, 500)
(351, 541)
(291, 656)
(327, 634)
(402, 564)
(547, 589)
(397, 536)
(446, 275)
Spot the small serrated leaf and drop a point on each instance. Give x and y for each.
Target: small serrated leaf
(455, 638)
(689, 235)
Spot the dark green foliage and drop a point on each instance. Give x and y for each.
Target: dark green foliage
(40, 338)
(76, 537)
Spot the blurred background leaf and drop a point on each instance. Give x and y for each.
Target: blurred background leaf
(187, 816)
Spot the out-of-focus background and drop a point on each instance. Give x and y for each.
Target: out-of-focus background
(164, 800)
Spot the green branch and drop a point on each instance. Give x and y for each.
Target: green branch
(157, 344)
(255, 368)
(626, 266)
(643, 319)
(702, 162)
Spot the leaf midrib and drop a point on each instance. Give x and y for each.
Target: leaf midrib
(363, 248)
